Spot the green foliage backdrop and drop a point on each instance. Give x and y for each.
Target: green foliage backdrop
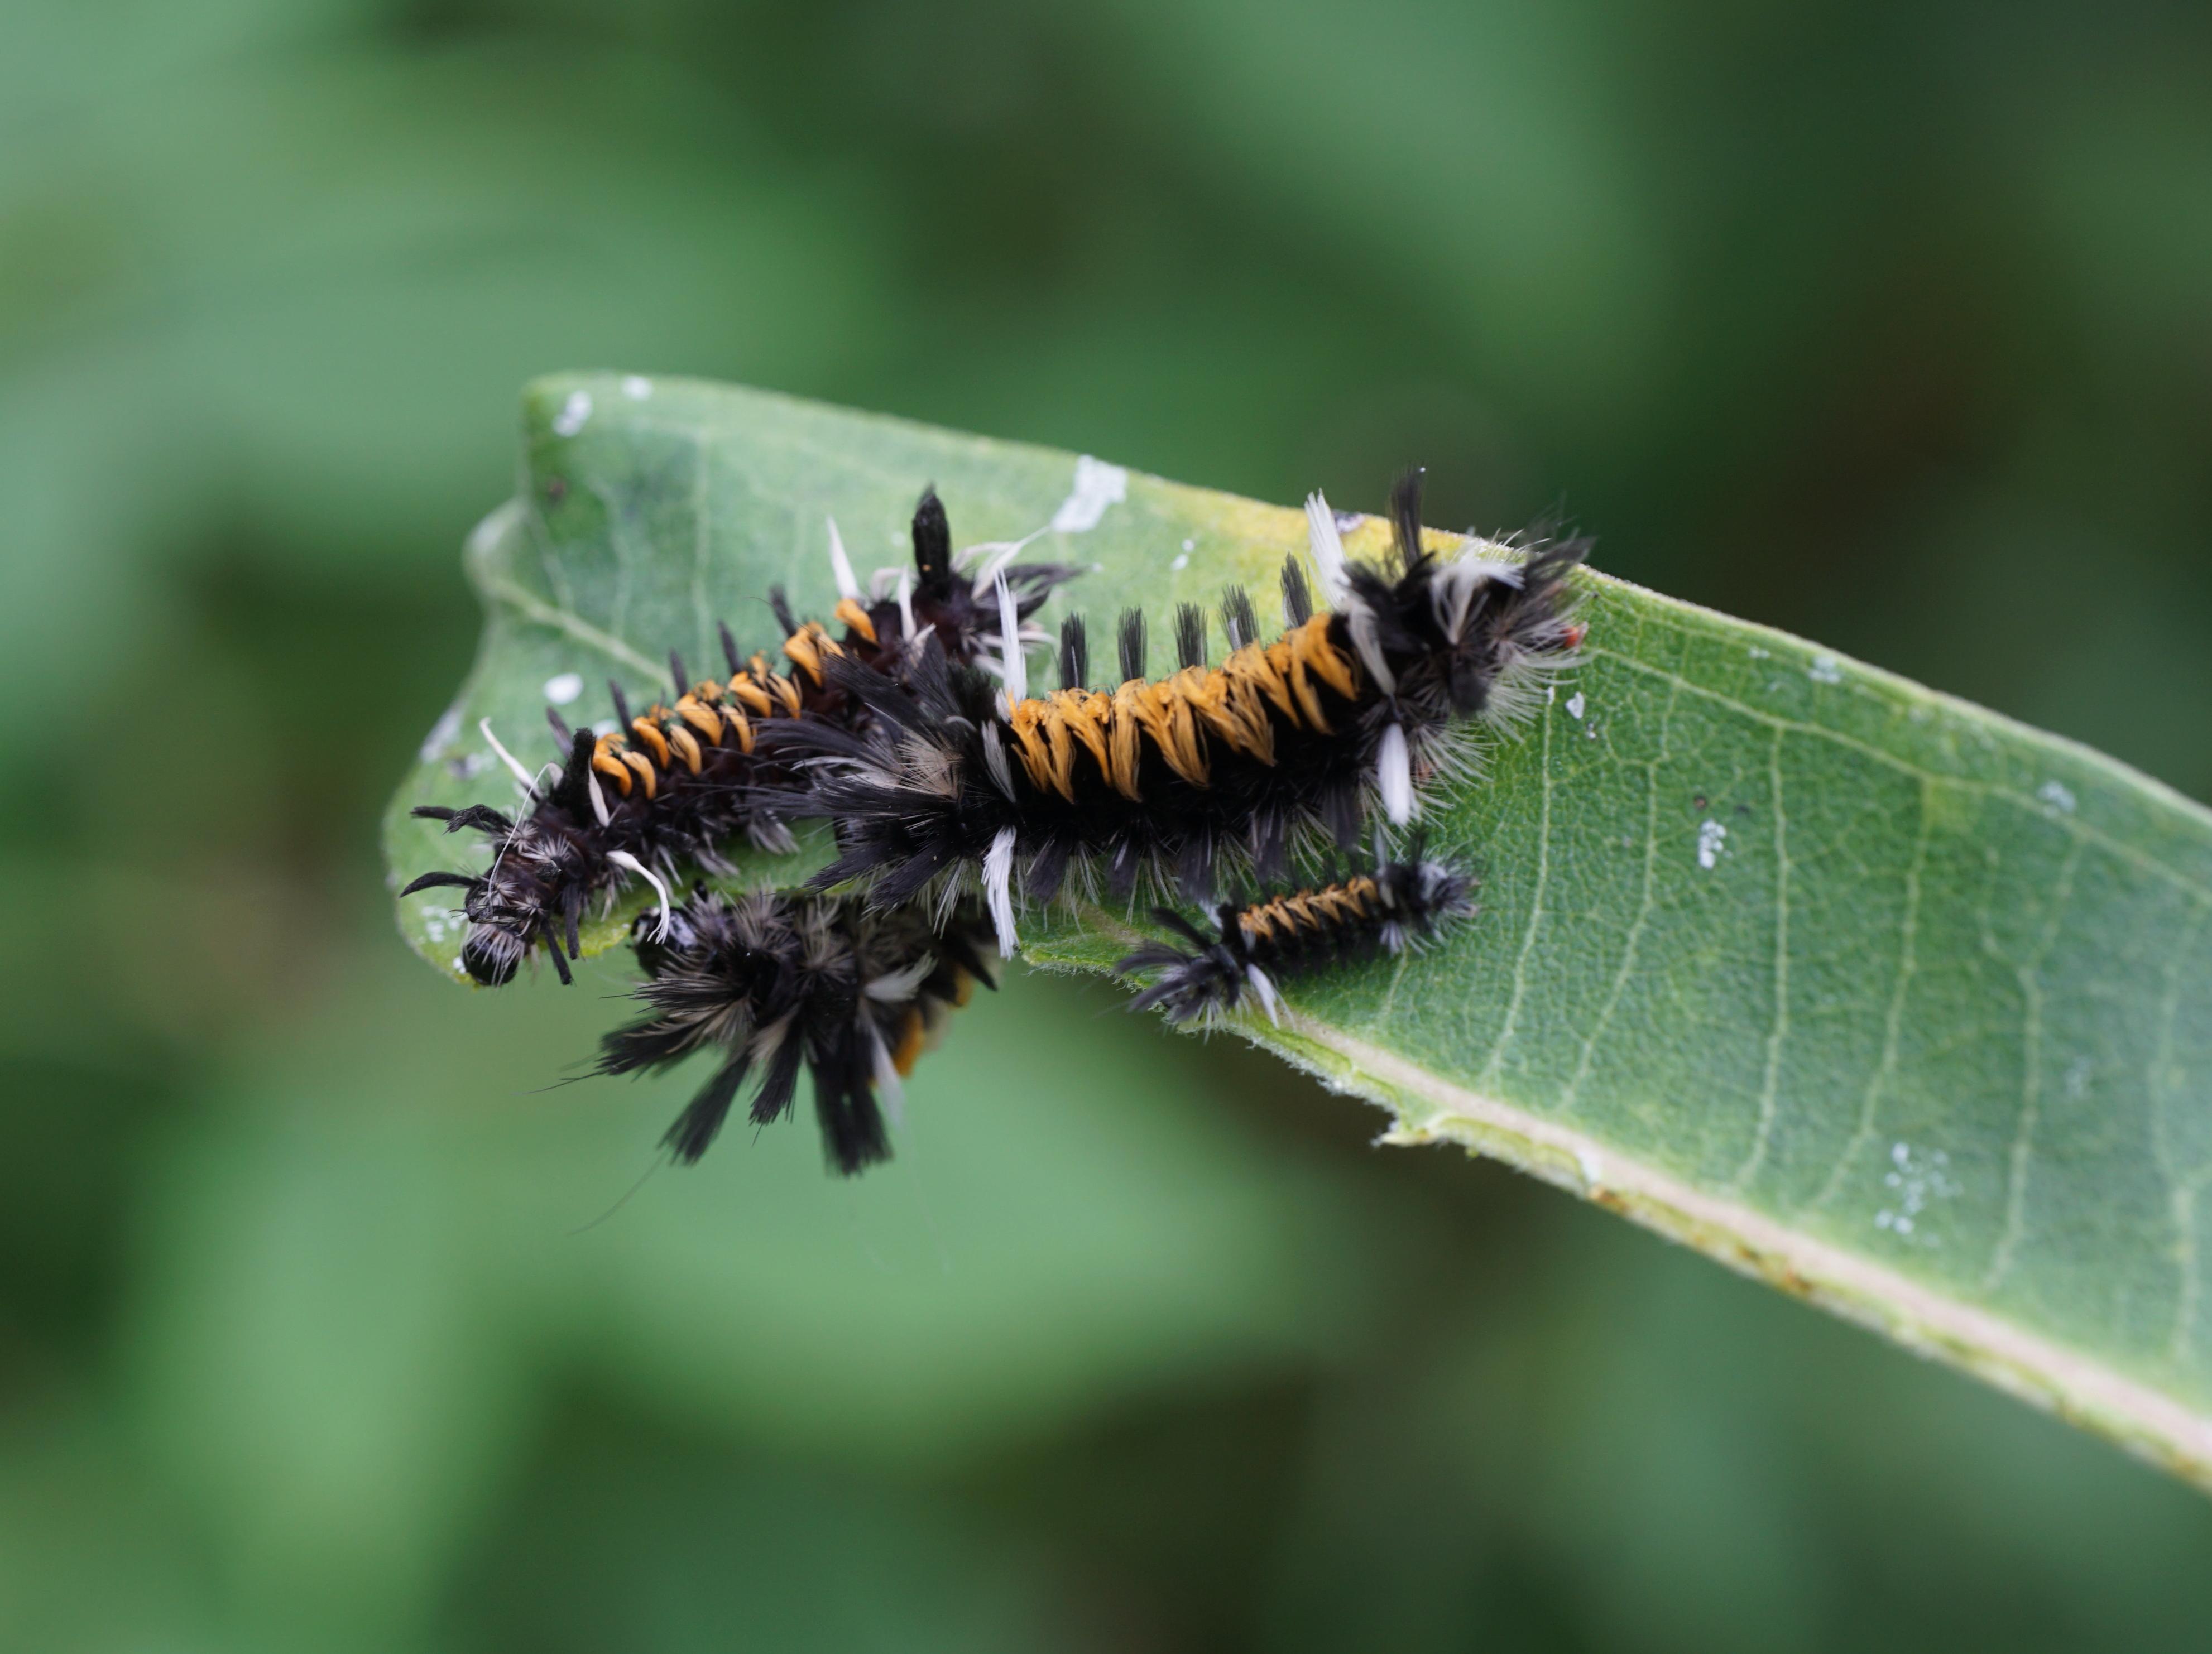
(1885, 324)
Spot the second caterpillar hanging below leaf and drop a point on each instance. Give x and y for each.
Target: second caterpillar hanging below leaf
(771, 984)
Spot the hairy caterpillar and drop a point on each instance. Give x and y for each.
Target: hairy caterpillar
(1255, 944)
(679, 783)
(955, 781)
(774, 982)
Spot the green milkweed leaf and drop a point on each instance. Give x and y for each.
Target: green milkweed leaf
(1886, 999)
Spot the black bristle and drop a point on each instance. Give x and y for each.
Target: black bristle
(1339, 809)
(729, 648)
(1041, 883)
(1133, 643)
(779, 1083)
(701, 1122)
(933, 539)
(572, 913)
(779, 604)
(440, 881)
(559, 959)
(681, 678)
(1074, 654)
(561, 732)
(1237, 618)
(1121, 870)
(1405, 516)
(1298, 599)
(1194, 869)
(621, 704)
(1271, 848)
(1190, 635)
(852, 1134)
(573, 791)
(482, 817)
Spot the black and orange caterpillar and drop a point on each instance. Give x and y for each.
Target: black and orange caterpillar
(1256, 943)
(957, 781)
(774, 982)
(681, 783)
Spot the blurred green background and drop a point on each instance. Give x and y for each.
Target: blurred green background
(1890, 324)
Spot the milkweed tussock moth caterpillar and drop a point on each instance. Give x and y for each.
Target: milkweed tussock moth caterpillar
(1257, 943)
(773, 983)
(682, 782)
(961, 785)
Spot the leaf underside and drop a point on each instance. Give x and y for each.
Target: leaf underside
(1896, 1004)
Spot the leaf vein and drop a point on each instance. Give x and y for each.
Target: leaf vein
(1646, 904)
(2030, 974)
(1506, 1030)
(1908, 964)
(1778, 1033)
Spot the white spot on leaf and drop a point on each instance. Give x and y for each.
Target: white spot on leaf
(1712, 839)
(637, 387)
(1914, 1183)
(1097, 485)
(573, 412)
(1180, 562)
(441, 734)
(2058, 796)
(564, 688)
(1575, 706)
(1824, 668)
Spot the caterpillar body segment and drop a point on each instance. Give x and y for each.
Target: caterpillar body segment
(1353, 710)
(1255, 944)
(686, 780)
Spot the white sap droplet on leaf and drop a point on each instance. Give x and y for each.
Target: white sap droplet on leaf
(564, 688)
(573, 412)
(1915, 1182)
(637, 387)
(1179, 563)
(1575, 706)
(442, 735)
(1097, 485)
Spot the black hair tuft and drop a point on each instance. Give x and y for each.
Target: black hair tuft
(1074, 654)
(1190, 635)
(1131, 640)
